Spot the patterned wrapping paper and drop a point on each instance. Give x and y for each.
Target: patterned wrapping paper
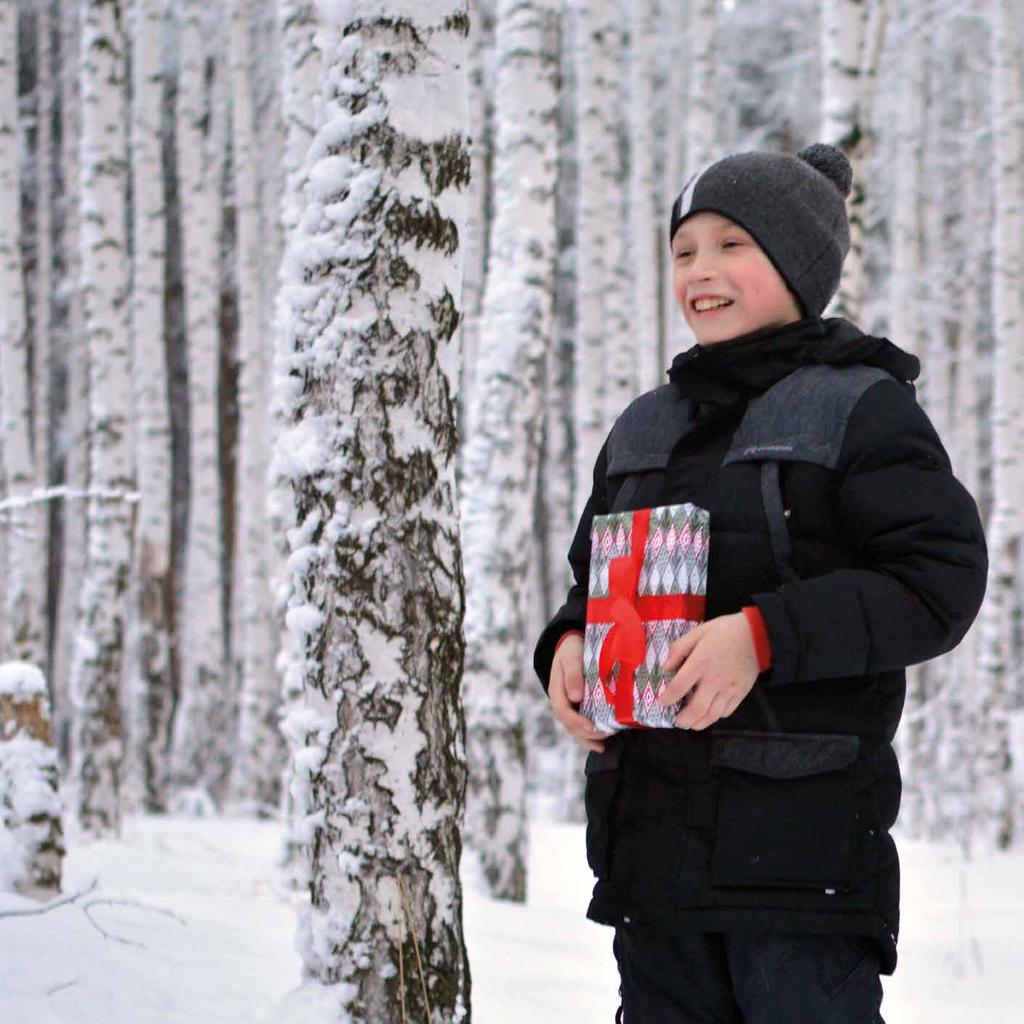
(648, 580)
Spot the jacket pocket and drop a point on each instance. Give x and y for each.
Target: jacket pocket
(787, 810)
(603, 771)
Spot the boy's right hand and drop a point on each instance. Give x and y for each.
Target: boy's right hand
(565, 691)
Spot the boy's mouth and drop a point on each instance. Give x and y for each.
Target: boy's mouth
(707, 305)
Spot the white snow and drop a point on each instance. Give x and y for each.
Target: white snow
(21, 679)
(199, 927)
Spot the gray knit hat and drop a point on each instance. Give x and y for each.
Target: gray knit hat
(794, 206)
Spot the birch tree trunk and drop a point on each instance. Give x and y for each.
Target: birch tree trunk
(907, 327)
(366, 383)
(148, 676)
(701, 137)
(852, 35)
(42, 354)
(300, 109)
(500, 465)
(597, 225)
(258, 761)
(21, 621)
(97, 748)
(646, 233)
(674, 50)
(475, 243)
(995, 807)
(204, 719)
(75, 422)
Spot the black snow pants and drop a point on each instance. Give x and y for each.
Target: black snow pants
(681, 977)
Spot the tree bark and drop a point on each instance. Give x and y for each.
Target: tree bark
(365, 375)
(205, 715)
(149, 698)
(97, 747)
(500, 465)
(259, 758)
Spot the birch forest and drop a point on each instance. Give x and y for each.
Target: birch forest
(313, 317)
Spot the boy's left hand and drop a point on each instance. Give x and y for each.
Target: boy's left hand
(719, 664)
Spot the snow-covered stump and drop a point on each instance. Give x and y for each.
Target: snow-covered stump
(31, 838)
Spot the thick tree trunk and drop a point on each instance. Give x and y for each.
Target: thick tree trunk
(366, 384)
(97, 663)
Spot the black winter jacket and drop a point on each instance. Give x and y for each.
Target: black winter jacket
(778, 817)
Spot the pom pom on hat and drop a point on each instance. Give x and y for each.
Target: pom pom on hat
(832, 163)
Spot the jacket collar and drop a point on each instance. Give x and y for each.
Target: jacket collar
(731, 372)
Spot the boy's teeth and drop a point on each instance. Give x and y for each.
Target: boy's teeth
(702, 304)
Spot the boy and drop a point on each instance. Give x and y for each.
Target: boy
(744, 857)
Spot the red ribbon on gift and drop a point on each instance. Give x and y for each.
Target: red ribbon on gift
(626, 641)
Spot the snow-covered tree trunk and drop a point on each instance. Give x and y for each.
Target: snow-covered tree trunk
(259, 758)
(204, 719)
(852, 34)
(556, 767)
(672, 105)
(367, 384)
(74, 426)
(646, 233)
(31, 835)
(907, 327)
(621, 342)
(701, 119)
(43, 354)
(301, 112)
(21, 619)
(149, 697)
(475, 242)
(598, 225)
(500, 463)
(995, 814)
(97, 662)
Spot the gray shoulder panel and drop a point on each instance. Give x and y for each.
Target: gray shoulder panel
(647, 429)
(803, 417)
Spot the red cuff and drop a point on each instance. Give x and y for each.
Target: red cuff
(759, 632)
(571, 632)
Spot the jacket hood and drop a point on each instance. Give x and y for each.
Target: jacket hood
(731, 372)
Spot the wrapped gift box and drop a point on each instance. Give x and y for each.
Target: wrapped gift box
(648, 579)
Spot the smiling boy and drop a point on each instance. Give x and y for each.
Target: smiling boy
(744, 857)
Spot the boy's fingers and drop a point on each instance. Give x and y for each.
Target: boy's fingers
(713, 714)
(680, 649)
(574, 685)
(680, 685)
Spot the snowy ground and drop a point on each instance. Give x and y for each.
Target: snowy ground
(199, 929)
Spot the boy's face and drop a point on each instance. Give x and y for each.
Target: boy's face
(714, 258)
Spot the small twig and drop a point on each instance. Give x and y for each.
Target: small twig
(60, 901)
(415, 947)
(111, 902)
(60, 988)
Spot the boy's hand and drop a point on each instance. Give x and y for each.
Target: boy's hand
(719, 666)
(565, 689)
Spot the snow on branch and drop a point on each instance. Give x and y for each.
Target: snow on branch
(40, 494)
